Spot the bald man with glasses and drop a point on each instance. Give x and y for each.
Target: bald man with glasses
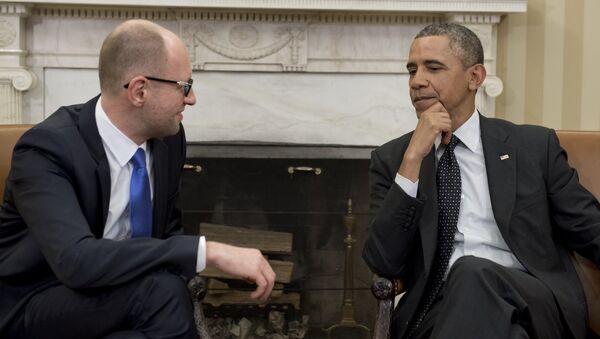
(91, 242)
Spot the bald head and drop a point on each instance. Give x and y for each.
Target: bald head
(135, 47)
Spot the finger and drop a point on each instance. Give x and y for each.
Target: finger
(261, 287)
(272, 276)
(268, 291)
(268, 270)
(438, 107)
(269, 275)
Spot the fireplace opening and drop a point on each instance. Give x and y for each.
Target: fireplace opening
(322, 203)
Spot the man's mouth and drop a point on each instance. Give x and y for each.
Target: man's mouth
(423, 102)
(422, 98)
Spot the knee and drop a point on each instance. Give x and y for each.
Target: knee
(471, 270)
(165, 286)
(163, 307)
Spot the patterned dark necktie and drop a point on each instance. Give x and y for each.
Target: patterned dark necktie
(140, 203)
(449, 192)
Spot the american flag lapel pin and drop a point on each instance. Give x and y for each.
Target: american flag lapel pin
(504, 156)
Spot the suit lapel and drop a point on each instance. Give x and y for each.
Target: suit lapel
(500, 163)
(159, 167)
(89, 132)
(429, 217)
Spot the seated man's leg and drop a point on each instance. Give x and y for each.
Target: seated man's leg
(482, 299)
(155, 306)
(485, 300)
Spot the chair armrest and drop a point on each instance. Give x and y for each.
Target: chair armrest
(384, 290)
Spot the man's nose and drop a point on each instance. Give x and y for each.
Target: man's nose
(190, 99)
(419, 80)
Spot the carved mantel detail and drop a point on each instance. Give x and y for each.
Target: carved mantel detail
(493, 86)
(7, 33)
(20, 78)
(485, 99)
(240, 45)
(13, 81)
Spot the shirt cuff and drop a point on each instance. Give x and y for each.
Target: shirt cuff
(409, 187)
(201, 259)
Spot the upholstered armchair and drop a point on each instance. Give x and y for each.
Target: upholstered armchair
(583, 150)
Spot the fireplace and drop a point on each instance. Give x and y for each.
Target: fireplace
(305, 196)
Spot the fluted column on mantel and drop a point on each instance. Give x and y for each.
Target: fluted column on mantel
(14, 76)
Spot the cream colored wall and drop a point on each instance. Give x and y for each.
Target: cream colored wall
(549, 60)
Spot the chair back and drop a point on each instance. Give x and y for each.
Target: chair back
(9, 135)
(583, 150)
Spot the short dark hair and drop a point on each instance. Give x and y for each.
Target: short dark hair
(463, 42)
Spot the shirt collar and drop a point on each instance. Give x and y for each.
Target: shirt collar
(469, 133)
(115, 142)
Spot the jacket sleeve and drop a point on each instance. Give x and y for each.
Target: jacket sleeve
(394, 221)
(575, 210)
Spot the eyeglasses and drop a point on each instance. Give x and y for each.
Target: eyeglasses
(186, 86)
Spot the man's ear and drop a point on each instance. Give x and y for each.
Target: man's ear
(137, 90)
(477, 74)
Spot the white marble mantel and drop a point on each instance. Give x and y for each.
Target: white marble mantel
(308, 72)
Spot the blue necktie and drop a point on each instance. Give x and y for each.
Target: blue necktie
(140, 204)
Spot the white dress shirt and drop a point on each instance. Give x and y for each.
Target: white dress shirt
(119, 150)
(478, 234)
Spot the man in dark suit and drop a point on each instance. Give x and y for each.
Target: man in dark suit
(518, 209)
(91, 243)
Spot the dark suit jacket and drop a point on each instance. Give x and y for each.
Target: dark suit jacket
(540, 207)
(55, 207)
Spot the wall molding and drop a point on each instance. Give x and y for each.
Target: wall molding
(125, 13)
(439, 6)
(14, 9)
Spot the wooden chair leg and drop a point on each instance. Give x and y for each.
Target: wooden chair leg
(384, 292)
